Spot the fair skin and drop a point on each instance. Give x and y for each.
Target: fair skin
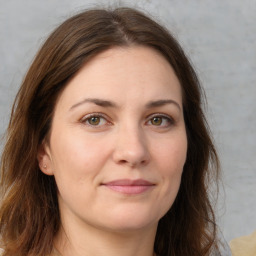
(117, 148)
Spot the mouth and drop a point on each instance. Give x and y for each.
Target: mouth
(129, 187)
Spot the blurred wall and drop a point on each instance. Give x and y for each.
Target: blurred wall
(220, 38)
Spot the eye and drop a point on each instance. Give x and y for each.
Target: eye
(157, 120)
(161, 121)
(94, 120)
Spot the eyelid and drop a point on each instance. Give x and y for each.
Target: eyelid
(168, 117)
(95, 114)
(86, 117)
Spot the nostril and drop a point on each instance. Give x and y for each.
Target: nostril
(122, 161)
(132, 163)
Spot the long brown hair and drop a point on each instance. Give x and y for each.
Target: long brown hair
(29, 211)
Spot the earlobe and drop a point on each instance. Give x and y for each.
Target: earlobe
(44, 159)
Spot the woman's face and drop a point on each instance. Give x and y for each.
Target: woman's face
(118, 143)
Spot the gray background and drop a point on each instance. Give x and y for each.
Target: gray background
(220, 38)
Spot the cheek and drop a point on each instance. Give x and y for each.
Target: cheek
(77, 157)
(171, 159)
(77, 152)
(171, 154)
(76, 162)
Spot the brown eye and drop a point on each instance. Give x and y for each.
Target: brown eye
(156, 120)
(95, 120)
(160, 121)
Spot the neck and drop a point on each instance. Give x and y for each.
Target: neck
(84, 240)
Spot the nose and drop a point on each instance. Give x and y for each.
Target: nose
(131, 148)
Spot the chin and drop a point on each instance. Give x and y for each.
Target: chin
(132, 221)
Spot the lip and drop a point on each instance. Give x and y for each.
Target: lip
(129, 187)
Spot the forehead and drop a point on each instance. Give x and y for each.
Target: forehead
(124, 73)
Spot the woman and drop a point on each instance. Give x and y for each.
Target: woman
(108, 150)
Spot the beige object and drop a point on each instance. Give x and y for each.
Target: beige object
(244, 246)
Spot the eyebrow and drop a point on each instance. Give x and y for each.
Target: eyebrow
(99, 102)
(107, 103)
(159, 103)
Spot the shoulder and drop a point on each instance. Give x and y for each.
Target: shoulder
(244, 246)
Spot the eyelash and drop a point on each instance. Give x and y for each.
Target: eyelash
(170, 120)
(86, 118)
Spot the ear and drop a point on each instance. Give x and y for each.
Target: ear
(44, 159)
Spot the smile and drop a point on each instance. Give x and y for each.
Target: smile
(129, 187)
